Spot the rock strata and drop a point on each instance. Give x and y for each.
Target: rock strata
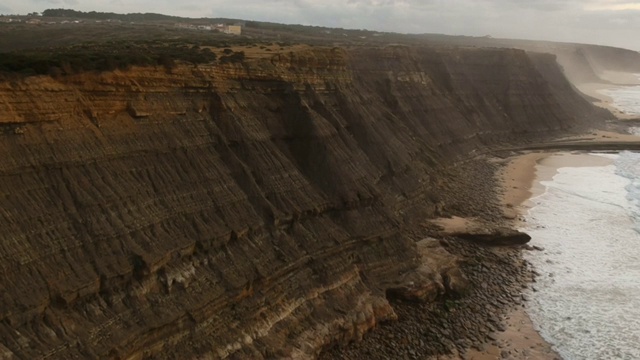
(259, 209)
(438, 273)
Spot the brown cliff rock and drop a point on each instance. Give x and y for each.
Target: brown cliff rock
(438, 273)
(252, 210)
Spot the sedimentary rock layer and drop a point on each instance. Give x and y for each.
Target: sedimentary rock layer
(242, 210)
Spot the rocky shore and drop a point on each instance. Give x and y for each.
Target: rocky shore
(452, 325)
(466, 325)
(489, 320)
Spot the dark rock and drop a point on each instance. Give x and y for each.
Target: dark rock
(497, 237)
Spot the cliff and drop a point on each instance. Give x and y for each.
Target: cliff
(581, 63)
(250, 210)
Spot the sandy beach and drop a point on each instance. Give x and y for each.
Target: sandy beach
(522, 176)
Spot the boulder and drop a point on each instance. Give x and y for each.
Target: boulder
(438, 274)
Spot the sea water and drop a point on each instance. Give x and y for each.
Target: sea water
(587, 295)
(586, 299)
(625, 98)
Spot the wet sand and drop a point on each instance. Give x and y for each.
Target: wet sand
(519, 341)
(522, 176)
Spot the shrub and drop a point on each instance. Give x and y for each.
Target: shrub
(101, 57)
(236, 57)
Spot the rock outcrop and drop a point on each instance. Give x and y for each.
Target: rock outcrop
(497, 237)
(438, 273)
(253, 210)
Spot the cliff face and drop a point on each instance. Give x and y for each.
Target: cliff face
(581, 63)
(251, 210)
(597, 60)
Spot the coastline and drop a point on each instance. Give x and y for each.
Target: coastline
(492, 321)
(485, 323)
(593, 90)
(523, 175)
(521, 180)
(518, 181)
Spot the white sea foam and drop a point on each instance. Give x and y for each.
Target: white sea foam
(625, 98)
(587, 301)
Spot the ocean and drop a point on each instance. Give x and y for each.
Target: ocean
(586, 299)
(625, 98)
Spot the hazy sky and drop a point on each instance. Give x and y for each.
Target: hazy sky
(608, 22)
